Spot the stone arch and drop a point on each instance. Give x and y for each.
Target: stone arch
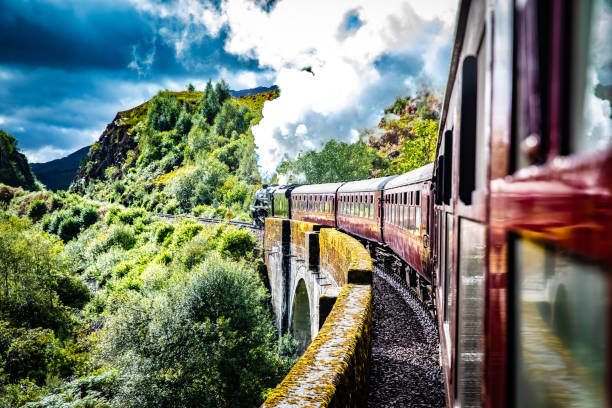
(300, 317)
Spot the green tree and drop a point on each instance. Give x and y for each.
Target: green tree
(418, 150)
(163, 111)
(190, 87)
(208, 340)
(337, 161)
(32, 266)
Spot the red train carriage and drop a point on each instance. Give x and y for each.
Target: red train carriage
(406, 221)
(315, 203)
(359, 207)
(523, 214)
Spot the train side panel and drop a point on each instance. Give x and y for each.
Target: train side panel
(406, 225)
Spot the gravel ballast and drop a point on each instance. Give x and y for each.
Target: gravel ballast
(405, 370)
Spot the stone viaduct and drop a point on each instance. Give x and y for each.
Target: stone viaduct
(320, 281)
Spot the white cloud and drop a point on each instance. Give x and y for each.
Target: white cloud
(347, 90)
(45, 154)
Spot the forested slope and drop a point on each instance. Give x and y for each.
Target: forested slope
(180, 152)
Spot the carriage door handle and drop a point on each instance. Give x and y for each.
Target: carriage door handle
(425, 240)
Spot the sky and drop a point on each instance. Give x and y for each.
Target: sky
(68, 66)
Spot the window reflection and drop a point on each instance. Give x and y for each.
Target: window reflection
(593, 85)
(561, 329)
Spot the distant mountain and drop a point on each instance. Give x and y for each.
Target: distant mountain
(58, 174)
(253, 91)
(14, 169)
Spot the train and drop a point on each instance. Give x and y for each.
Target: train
(507, 235)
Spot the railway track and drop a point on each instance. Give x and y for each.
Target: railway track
(405, 369)
(256, 230)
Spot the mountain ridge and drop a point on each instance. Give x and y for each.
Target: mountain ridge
(58, 174)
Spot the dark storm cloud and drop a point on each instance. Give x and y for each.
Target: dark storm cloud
(67, 67)
(77, 35)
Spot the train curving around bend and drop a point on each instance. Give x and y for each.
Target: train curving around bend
(508, 234)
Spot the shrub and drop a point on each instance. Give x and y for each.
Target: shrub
(89, 216)
(121, 236)
(237, 243)
(164, 232)
(69, 228)
(37, 209)
(130, 215)
(72, 291)
(185, 231)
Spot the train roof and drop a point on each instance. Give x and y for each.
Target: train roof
(375, 184)
(327, 188)
(415, 176)
(284, 189)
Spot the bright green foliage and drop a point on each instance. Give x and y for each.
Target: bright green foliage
(164, 233)
(32, 266)
(185, 231)
(163, 111)
(337, 161)
(205, 341)
(198, 324)
(237, 243)
(419, 150)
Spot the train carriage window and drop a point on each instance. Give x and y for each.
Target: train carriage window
(361, 205)
(468, 132)
(591, 108)
(411, 218)
(561, 329)
(417, 200)
(447, 168)
(417, 219)
(326, 204)
(371, 205)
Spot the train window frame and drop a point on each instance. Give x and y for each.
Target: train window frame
(447, 168)
(417, 200)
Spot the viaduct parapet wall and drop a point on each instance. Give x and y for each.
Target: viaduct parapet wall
(331, 273)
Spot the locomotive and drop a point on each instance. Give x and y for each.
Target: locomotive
(509, 232)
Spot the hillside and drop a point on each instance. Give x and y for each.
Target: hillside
(180, 152)
(14, 168)
(58, 174)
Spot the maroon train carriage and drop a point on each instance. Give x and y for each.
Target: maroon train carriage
(359, 207)
(407, 222)
(315, 203)
(523, 206)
